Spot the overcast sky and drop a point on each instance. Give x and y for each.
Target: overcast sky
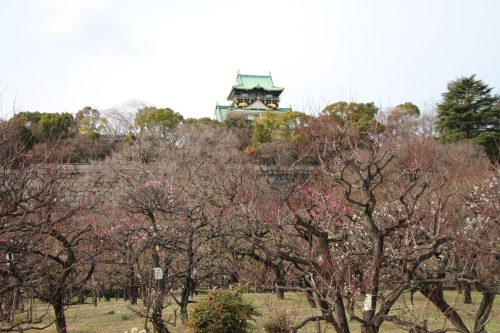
(62, 55)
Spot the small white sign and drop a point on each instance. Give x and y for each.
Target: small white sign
(368, 302)
(158, 273)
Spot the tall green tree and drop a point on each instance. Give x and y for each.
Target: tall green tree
(361, 115)
(271, 125)
(36, 126)
(90, 122)
(161, 120)
(404, 111)
(56, 125)
(274, 136)
(26, 124)
(470, 111)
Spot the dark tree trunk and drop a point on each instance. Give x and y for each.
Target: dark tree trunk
(310, 300)
(158, 322)
(484, 311)
(341, 325)
(371, 301)
(132, 288)
(58, 306)
(434, 292)
(280, 284)
(340, 313)
(193, 290)
(134, 292)
(94, 298)
(187, 289)
(160, 288)
(280, 292)
(6, 311)
(309, 294)
(125, 294)
(467, 293)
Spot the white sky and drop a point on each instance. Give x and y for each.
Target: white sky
(62, 55)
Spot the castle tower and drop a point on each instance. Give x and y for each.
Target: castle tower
(251, 95)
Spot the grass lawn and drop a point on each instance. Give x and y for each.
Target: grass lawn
(117, 317)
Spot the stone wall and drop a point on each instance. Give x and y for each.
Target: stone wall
(284, 177)
(103, 185)
(95, 182)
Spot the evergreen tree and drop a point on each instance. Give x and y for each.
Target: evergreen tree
(405, 111)
(361, 115)
(469, 111)
(90, 122)
(271, 125)
(160, 120)
(36, 126)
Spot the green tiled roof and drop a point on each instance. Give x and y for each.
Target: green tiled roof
(220, 113)
(248, 82)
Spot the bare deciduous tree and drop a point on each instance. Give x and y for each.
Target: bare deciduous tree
(46, 249)
(366, 223)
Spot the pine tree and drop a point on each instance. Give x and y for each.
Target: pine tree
(469, 111)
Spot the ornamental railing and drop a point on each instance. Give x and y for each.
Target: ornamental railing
(254, 97)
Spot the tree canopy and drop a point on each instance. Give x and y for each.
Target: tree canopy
(272, 125)
(36, 126)
(361, 115)
(162, 120)
(90, 122)
(470, 111)
(404, 111)
(204, 121)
